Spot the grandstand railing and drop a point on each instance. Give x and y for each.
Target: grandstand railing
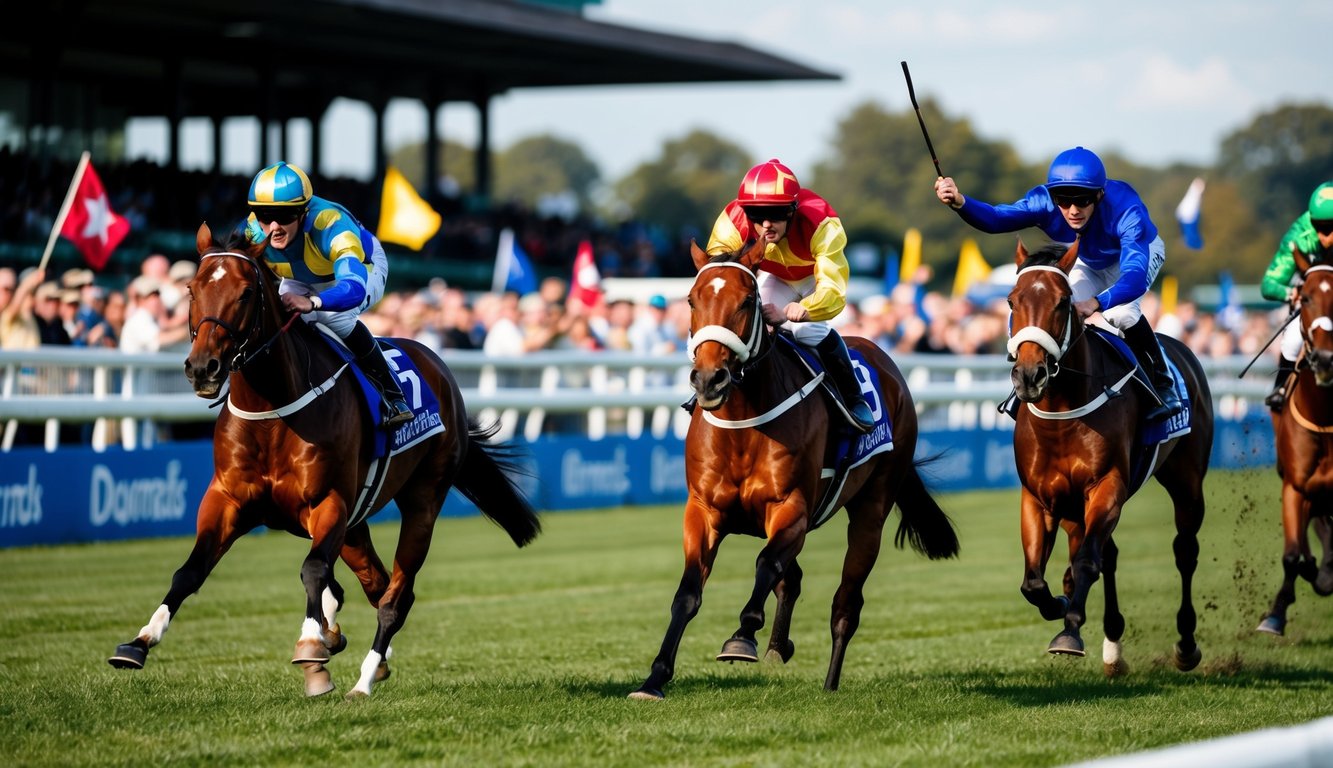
(128, 399)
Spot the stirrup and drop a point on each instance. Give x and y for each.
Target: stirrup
(396, 412)
(1276, 399)
(861, 417)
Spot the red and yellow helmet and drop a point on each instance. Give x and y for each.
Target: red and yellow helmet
(770, 183)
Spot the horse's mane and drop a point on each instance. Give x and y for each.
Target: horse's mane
(719, 258)
(235, 240)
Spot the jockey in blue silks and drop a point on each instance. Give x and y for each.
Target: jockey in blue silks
(1119, 249)
(332, 268)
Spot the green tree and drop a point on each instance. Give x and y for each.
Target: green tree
(686, 185)
(456, 161)
(543, 166)
(1279, 158)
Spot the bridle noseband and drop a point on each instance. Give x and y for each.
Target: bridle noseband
(745, 349)
(1039, 336)
(1321, 323)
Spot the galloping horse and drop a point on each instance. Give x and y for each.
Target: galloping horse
(1082, 450)
(296, 448)
(757, 444)
(1304, 433)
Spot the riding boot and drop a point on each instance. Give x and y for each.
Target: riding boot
(372, 363)
(1148, 350)
(1278, 397)
(833, 352)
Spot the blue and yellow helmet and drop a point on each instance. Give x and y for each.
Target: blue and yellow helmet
(1077, 167)
(280, 186)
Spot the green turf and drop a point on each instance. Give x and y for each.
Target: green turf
(525, 657)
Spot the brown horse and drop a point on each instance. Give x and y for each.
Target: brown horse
(294, 450)
(756, 446)
(1304, 433)
(1081, 453)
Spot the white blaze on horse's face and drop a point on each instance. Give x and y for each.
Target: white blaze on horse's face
(717, 284)
(218, 273)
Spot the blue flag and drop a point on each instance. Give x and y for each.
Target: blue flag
(1187, 213)
(513, 268)
(892, 268)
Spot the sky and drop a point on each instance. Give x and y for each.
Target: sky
(1156, 80)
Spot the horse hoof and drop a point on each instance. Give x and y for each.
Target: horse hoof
(739, 649)
(382, 672)
(783, 654)
(1323, 583)
(339, 640)
(310, 651)
(318, 681)
(1114, 669)
(1272, 625)
(1066, 644)
(647, 694)
(1187, 661)
(129, 656)
(355, 695)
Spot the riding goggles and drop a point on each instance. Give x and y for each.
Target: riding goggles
(1081, 199)
(283, 216)
(1322, 226)
(761, 213)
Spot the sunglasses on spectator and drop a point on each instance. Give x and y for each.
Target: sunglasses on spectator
(283, 216)
(1323, 226)
(1080, 199)
(762, 213)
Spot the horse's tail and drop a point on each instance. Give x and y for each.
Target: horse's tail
(487, 479)
(923, 524)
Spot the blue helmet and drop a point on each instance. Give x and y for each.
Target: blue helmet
(280, 186)
(1077, 167)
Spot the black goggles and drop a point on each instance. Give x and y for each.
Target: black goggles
(1322, 226)
(1080, 198)
(761, 213)
(283, 216)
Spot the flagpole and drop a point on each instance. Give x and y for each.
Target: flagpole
(64, 208)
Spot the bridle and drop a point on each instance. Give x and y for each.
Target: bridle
(1321, 323)
(1039, 336)
(749, 350)
(242, 358)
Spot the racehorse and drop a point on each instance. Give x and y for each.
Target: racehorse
(1082, 450)
(756, 446)
(295, 449)
(1304, 434)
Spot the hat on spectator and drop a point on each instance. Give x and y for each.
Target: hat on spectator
(48, 290)
(532, 302)
(182, 270)
(76, 278)
(658, 301)
(144, 285)
(69, 296)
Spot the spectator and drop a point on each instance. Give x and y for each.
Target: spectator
(649, 334)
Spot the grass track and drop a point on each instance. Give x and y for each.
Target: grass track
(524, 657)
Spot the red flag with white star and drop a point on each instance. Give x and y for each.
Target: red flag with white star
(91, 225)
(585, 287)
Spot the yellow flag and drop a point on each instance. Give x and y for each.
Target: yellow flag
(1170, 294)
(972, 268)
(405, 218)
(911, 255)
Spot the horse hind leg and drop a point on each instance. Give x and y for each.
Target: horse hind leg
(1323, 581)
(865, 529)
(1113, 621)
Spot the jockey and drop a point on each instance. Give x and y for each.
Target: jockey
(1311, 234)
(332, 268)
(1119, 250)
(803, 275)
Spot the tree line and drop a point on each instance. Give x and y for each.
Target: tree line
(879, 177)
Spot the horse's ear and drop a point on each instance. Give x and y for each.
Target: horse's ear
(203, 239)
(750, 258)
(698, 254)
(1020, 255)
(1302, 260)
(1067, 260)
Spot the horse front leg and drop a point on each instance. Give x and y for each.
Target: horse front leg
(1038, 527)
(700, 543)
(319, 634)
(1102, 507)
(785, 539)
(1189, 514)
(1113, 621)
(1295, 551)
(217, 529)
(361, 558)
(787, 590)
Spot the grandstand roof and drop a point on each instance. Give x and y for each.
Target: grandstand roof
(220, 55)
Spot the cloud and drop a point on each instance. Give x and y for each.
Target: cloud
(1162, 83)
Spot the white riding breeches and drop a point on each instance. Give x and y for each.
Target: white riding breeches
(778, 292)
(343, 321)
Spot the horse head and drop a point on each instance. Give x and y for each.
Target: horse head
(233, 304)
(1317, 317)
(1043, 319)
(726, 322)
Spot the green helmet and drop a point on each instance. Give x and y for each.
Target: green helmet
(1321, 202)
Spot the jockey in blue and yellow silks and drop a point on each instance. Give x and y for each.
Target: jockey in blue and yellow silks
(803, 275)
(332, 268)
